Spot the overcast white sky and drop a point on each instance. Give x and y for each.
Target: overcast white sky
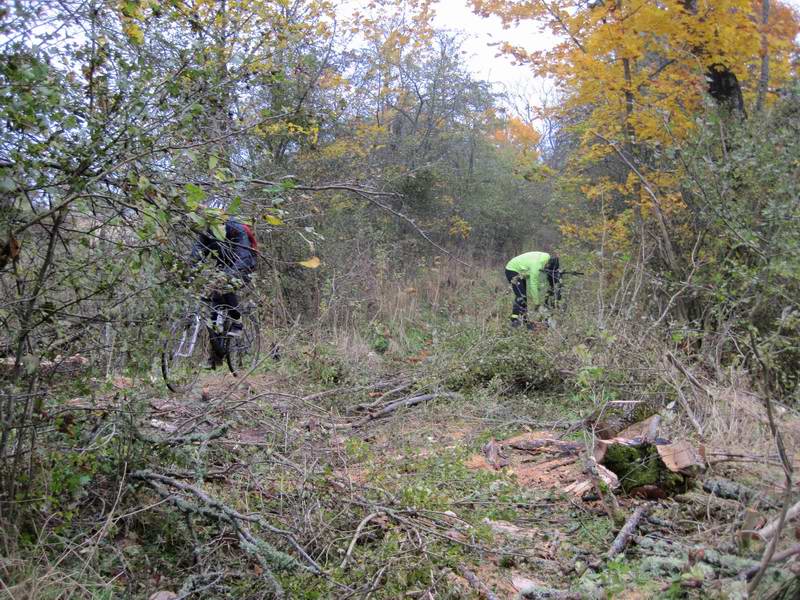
(457, 14)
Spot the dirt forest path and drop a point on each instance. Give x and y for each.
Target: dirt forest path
(402, 494)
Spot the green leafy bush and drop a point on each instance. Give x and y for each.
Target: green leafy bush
(511, 361)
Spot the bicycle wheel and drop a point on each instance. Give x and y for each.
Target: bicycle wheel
(245, 350)
(183, 353)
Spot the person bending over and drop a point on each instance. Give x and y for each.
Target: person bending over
(533, 277)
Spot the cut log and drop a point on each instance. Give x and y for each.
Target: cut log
(528, 444)
(627, 530)
(681, 457)
(645, 430)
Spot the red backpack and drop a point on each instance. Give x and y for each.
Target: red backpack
(252, 237)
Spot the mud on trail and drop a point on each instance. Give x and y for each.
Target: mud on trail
(444, 497)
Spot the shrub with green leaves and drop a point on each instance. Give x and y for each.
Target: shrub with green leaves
(511, 361)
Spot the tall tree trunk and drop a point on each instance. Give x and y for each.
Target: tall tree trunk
(763, 80)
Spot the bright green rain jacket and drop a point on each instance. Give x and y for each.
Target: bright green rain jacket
(529, 266)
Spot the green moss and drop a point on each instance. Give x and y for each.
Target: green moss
(640, 465)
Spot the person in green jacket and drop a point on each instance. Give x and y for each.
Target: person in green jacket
(533, 277)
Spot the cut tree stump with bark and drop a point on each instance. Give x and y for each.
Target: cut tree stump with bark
(649, 466)
(639, 466)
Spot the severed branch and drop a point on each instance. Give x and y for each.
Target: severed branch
(371, 405)
(356, 535)
(776, 558)
(627, 530)
(771, 529)
(191, 438)
(267, 555)
(405, 402)
(476, 583)
(342, 390)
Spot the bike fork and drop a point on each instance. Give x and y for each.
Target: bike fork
(192, 340)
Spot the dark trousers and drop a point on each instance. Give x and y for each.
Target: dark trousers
(225, 303)
(520, 289)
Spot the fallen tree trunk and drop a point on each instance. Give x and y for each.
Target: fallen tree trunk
(679, 555)
(730, 490)
(546, 445)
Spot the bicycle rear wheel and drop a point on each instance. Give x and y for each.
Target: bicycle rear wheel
(183, 353)
(245, 350)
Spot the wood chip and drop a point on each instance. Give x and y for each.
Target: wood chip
(681, 457)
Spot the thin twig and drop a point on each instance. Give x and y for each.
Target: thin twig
(769, 551)
(359, 529)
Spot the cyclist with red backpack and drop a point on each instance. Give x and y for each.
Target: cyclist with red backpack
(235, 255)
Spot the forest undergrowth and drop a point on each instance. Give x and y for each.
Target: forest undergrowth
(389, 460)
(398, 439)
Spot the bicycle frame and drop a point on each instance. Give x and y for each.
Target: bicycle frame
(195, 332)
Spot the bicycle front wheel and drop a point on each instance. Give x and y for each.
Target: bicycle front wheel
(245, 350)
(183, 353)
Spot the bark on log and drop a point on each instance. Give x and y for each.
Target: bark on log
(725, 488)
(625, 533)
(547, 445)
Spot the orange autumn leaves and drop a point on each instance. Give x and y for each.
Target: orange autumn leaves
(632, 73)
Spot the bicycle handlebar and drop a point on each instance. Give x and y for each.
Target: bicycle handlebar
(560, 272)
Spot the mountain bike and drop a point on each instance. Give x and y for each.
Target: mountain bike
(194, 336)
